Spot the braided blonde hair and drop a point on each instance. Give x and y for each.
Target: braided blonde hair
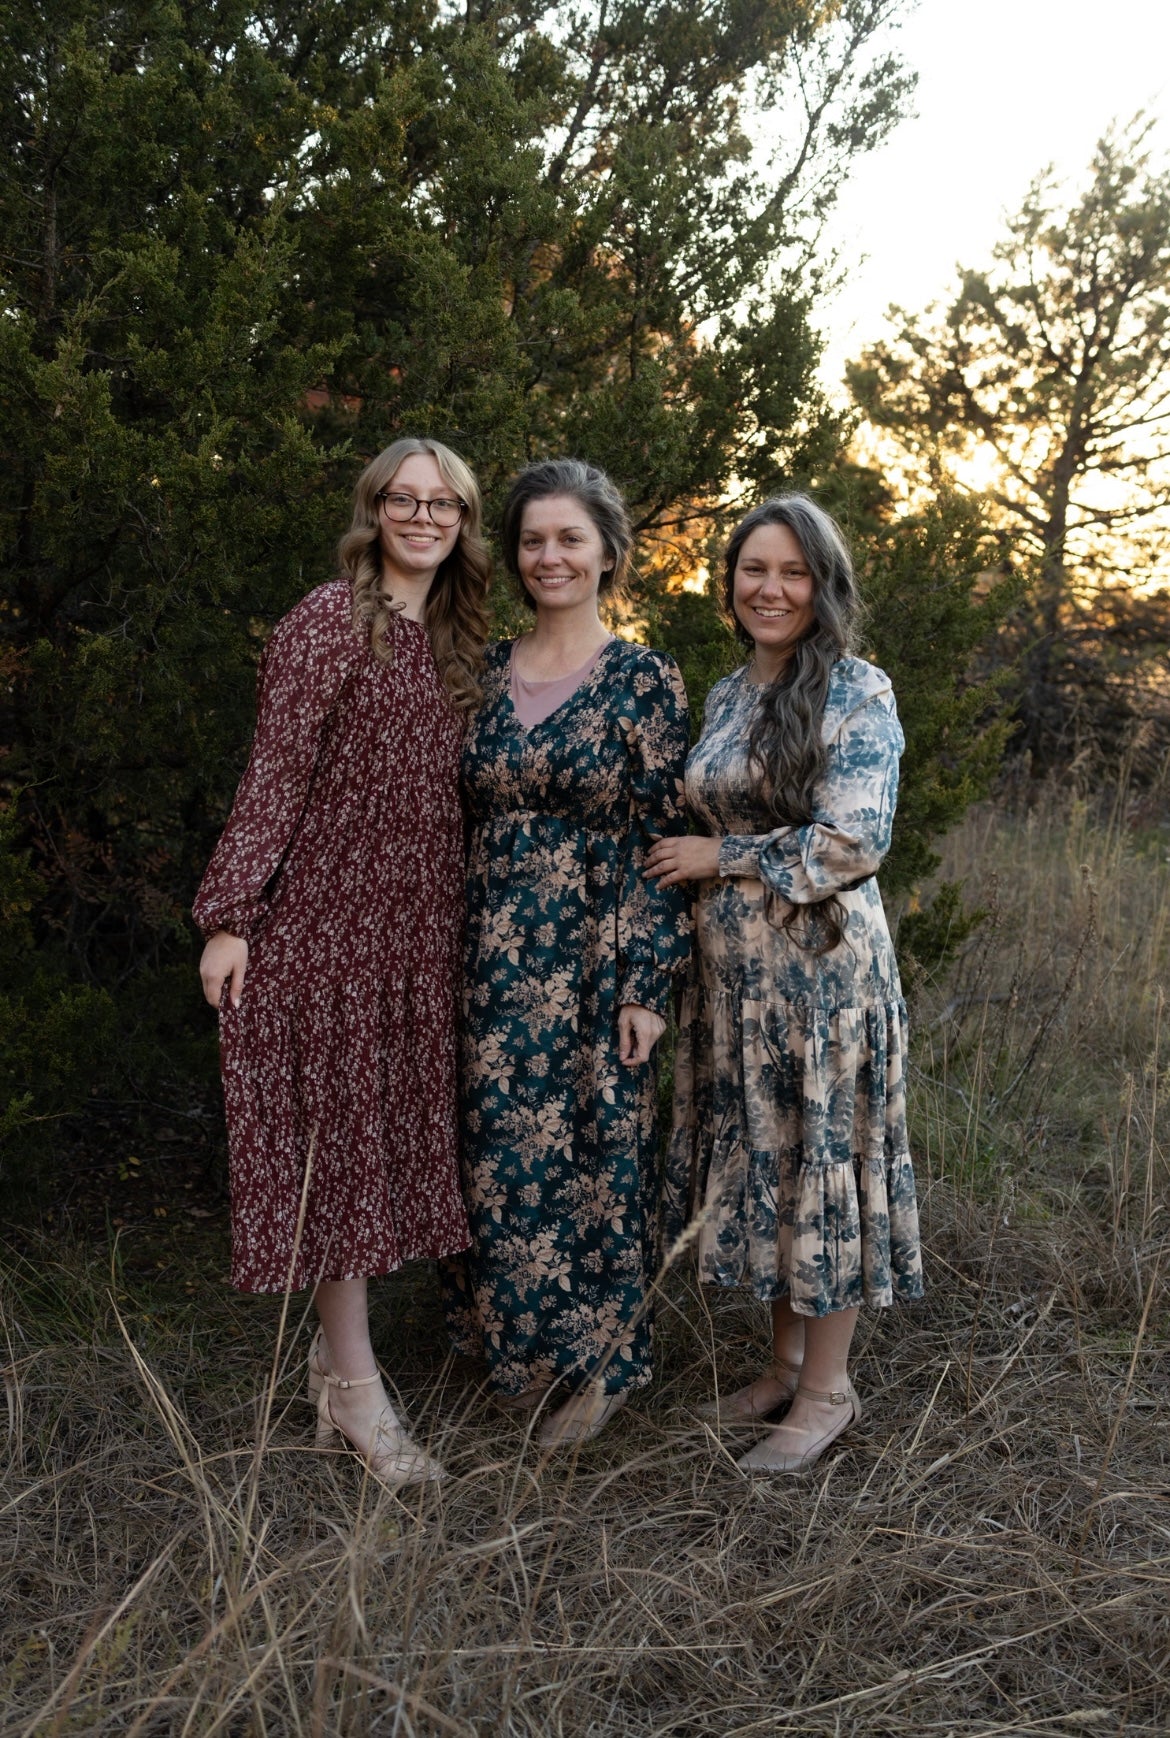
(456, 614)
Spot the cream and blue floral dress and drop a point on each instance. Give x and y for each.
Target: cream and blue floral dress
(560, 1149)
(789, 1139)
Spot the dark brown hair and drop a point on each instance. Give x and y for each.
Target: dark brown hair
(785, 749)
(600, 499)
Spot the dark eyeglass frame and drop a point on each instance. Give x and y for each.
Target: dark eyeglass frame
(444, 524)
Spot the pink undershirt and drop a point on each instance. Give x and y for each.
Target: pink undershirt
(536, 701)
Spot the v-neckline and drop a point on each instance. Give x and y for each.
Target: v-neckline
(585, 682)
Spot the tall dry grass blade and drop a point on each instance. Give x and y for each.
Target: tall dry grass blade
(1149, 1208)
(1139, 1338)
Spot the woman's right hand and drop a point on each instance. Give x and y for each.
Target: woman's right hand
(224, 962)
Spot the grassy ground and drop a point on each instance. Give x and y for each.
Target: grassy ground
(988, 1552)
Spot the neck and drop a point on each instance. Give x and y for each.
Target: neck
(765, 665)
(563, 639)
(411, 590)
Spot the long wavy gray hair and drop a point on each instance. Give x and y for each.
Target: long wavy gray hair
(785, 750)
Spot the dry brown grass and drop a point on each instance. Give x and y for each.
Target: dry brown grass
(988, 1553)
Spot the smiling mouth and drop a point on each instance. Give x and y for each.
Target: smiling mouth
(554, 579)
(770, 615)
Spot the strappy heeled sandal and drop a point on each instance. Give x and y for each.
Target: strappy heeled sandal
(737, 1409)
(316, 1369)
(806, 1448)
(391, 1455)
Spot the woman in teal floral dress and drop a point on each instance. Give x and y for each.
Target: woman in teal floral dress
(572, 766)
(789, 1140)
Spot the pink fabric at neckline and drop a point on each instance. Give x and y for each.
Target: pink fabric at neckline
(536, 701)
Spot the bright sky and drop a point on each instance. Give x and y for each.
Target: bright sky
(1004, 88)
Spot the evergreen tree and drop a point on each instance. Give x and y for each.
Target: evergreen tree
(245, 248)
(1052, 365)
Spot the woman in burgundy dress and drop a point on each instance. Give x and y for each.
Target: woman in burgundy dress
(333, 910)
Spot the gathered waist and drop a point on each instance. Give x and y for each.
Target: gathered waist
(530, 820)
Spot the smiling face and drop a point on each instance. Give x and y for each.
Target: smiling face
(414, 549)
(560, 553)
(773, 595)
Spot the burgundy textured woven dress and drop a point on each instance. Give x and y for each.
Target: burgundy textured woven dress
(342, 866)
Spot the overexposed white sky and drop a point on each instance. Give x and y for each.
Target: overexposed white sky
(1004, 88)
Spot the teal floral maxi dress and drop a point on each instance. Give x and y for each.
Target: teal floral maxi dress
(789, 1141)
(560, 1164)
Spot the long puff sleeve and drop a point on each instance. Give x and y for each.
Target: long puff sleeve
(312, 652)
(654, 923)
(853, 814)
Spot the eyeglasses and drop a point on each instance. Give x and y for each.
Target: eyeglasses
(444, 510)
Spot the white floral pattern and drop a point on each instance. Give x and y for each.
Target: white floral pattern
(342, 866)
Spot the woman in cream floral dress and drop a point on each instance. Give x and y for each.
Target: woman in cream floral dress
(572, 766)
(790, 1137)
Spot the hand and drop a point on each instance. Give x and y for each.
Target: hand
(682, 857)
(638, 1032)
(224, 962)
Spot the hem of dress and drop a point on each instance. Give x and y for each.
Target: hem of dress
(278, 1286)
(911, 1291)
(570, 1378)
(564, 1380)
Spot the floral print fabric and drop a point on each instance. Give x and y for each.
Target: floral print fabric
(789, 1138)
(560, 1162)
(342, 866)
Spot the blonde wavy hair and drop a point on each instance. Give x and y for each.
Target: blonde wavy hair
(456, 613)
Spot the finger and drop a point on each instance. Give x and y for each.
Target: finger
(668, 864)
(236, 984)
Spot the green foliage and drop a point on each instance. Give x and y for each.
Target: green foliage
(1052, 364)
(935, 589)
(690, 626)
(243, 251)
(52, 1032)
(930, 936)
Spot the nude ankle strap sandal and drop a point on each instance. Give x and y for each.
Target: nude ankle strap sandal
(391, 1456)
(803, 1448)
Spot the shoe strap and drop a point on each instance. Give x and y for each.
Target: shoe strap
(830, 1397)
(351, 1381)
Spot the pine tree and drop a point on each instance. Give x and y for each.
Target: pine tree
(244, 249)
(1052, 366)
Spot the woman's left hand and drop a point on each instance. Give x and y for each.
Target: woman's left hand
(638, 1032)
(682, 857)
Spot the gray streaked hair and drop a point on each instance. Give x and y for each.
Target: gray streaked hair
(785, 750)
